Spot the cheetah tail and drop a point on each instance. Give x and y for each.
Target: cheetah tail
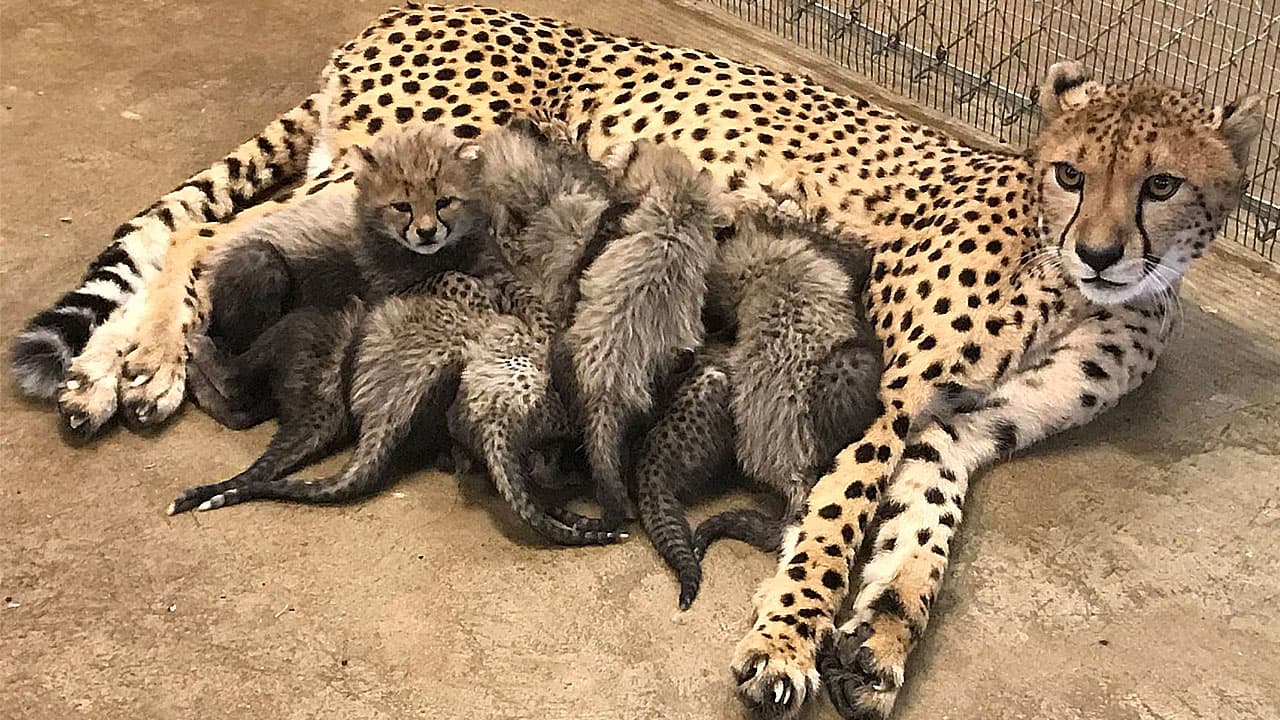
(749, 526)
(273, 159)
(503, 460)
(664, 521)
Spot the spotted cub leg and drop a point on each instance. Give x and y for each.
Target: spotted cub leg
(153, 370)
(504, 408)
(1084, 375)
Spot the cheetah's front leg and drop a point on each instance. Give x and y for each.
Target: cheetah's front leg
(1084, 375)
(137, 359)
(776, 663)
(87, 396)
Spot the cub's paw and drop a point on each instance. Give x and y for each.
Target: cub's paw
(862, 667)
(152, 384)
(775, 672)
(86, 401)
(204, 497)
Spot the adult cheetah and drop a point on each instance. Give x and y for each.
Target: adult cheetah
(1015, 296)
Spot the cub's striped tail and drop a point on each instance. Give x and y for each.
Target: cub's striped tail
(273, 159)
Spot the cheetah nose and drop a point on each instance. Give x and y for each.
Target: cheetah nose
(1100, 258)
(426, 234)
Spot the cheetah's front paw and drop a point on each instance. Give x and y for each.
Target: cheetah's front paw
(86, 401)
(152, 384)
(774, 669)
(863, 667)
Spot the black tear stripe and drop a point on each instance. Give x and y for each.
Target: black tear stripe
(1142, 231)
(1062, 237)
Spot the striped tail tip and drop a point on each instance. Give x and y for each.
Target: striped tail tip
(40, 357)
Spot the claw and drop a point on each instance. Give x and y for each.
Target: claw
(72, 385)
(139, 380)
(779, 689)
(212, 503)
(76, 420)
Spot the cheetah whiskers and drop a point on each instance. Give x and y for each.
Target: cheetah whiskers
(1041, 259)
(1167, 295)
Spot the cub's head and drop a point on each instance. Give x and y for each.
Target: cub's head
(643, 169)
(417, 187)
(1135, 180)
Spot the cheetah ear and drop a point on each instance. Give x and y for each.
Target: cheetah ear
(1240, 122)
(469, 151)
(1066, 87)
(366, 158)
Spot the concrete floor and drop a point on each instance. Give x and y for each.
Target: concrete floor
(1127, 570)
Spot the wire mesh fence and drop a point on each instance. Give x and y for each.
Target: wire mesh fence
(979, 60)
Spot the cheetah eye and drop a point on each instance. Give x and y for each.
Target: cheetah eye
(403, 207)
(1161, 187)
(1068, 176)
(443, 202)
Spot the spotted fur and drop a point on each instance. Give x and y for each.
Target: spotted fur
(974, 294)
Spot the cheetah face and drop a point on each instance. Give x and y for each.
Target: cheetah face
(416, 188)
(425, 224)
(1135, 180)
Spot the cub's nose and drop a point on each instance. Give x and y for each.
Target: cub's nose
(426, 234)
(1100, 258)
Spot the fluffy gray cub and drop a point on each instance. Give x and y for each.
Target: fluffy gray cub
(376, 373)
(306, 324)
(803, 373)
(551, 206)
(638, 306)
(505, 413)
(413, 212)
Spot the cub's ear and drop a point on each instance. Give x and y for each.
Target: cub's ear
(469, 151)
(1065, 87)
(1240, 122)
(617, 158)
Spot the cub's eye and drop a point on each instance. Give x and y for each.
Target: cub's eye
(1068, 176)
(443, 202)
(403, 207)
(1161, 187)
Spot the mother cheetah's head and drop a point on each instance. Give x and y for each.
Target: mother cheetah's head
(1135, 179)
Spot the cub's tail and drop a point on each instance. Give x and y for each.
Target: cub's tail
(267, 162)
(559, 525)
(749, 526)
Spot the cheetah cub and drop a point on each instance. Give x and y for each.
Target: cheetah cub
(308, 320)
(410, 214)
(795, 380)
(636, 306)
